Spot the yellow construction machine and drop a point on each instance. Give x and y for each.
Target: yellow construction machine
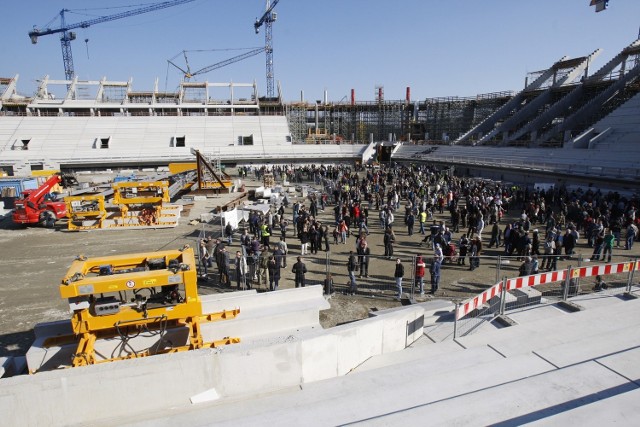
(118, 300)
(135, 204)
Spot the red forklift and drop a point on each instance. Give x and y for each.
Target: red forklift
(40, 206)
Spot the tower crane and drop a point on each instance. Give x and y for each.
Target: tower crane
(268, 19)
(189, 74)
(67, 35)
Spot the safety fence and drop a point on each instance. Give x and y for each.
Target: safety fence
(323, 268)
(373, 275)
(556, 285)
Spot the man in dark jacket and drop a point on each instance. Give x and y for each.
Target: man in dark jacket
(398, 275)
(299, 270)
(274, 272)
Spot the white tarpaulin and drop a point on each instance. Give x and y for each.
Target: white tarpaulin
(236, 215)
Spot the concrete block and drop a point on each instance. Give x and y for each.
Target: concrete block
(357, 344)
(401, 328)
(53, 329)
(319, 357)
(243, 371)
(206, 396)
(69, 396)
(527, 296)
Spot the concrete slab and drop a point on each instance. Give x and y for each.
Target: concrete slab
(533, 314)
(621, 409)
(529, 399)
(550, 332)
(359, 398)
(624, 363)
(598, 300)
(443, 357)
(592, 346)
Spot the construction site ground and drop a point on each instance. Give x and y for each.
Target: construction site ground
(35, 259)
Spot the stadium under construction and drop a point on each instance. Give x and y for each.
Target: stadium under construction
(567, 120)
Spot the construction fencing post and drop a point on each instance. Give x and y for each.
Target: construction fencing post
(413, 279)
(455, 321)
(631, 273)
(567, 284)
(503, 296)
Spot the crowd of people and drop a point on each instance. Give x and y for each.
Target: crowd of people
(472, 215)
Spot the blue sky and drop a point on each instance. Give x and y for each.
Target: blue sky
(438, 48)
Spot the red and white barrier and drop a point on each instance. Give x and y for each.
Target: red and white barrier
(536, 279)
(539, 279)
(603, 269)
(475, 302)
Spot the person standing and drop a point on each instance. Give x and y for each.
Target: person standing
(363, 258)
(263, 274)
(423, 221)
(224, 267)
(241, 271)
(284, 249)
(474, 253)
(299, 270)
(419, 275)
(464, 248)
(630, 236)
(568, 242)
(304, 241)
(205, 260)
(325, 236)
(608, 245)
(434, 269)
(274, 272)
(228, 232)
(388, 240)
(351, 268)
(411, 219)
(265, 233)
(283, 228)
(398, 275)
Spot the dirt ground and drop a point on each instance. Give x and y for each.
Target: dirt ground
(33, 260)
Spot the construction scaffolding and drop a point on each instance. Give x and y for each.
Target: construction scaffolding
(435, 119)
(445, 119)
(352, 123)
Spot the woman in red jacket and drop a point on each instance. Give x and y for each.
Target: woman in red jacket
(420, 265)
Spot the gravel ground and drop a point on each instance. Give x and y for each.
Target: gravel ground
(34, 260)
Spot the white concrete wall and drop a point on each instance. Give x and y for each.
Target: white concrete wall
(110, 390)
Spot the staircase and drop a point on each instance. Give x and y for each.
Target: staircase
(591, 107)
(490, 122)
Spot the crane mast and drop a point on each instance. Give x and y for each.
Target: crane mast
(67, 35)
(268, 19)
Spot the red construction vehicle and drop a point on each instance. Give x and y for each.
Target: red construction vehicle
(39, 206)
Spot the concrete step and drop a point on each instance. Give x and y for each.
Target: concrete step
(405, 386)
(508, 340)
(442, 357)
(556, 392)
(533, 314)
(593, 346)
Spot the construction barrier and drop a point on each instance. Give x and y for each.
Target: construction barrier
(477, 301)
(471, 304)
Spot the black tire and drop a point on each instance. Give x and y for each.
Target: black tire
(47, 219)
